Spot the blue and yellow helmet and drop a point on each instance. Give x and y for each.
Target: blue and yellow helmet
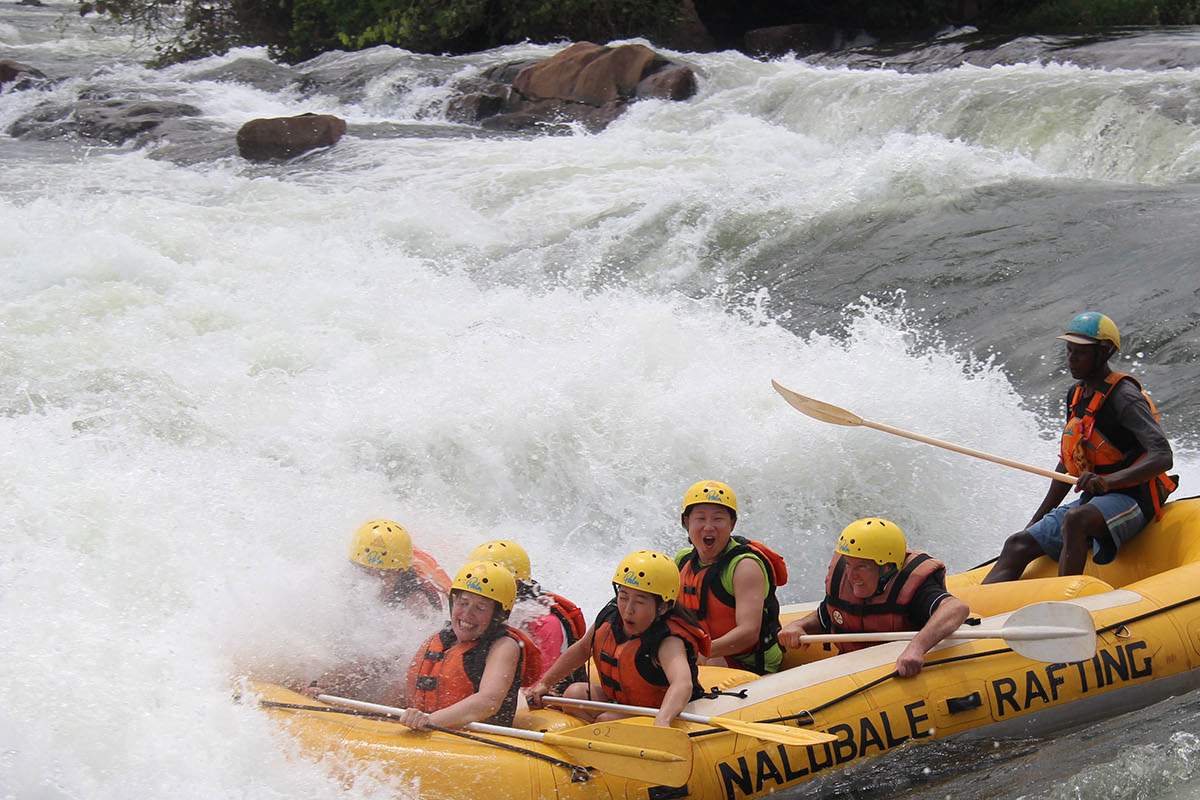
(1092, 327)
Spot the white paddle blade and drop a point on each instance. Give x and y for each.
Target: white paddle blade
(1074, 631)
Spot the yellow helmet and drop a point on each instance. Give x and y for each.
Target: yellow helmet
(505, 552)
(487, 579)
(382, 544)
(873, 538)
(650, 572)
(709, 492)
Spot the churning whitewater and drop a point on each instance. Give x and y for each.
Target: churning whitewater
(214, 372)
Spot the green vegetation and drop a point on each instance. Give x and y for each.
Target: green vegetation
(461, 26)
(1105, 13)
(299, 29)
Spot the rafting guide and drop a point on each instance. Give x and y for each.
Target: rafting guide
(1114, 447)
(408, 576)
(405, 579)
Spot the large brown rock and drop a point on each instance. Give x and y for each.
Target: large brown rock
(676, 83)
(285, 137)
(555, 77)
(587, 84)
(588, 73)
(20, 75)
(614, 74)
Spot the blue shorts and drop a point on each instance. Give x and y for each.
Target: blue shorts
(1122, 513)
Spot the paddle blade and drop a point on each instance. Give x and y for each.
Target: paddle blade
(773, 732)
(816, 409)
(1074, 632)
(649, 753)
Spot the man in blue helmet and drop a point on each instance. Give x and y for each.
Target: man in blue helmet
(1112, 443)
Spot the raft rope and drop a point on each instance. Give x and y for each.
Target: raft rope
(579, 774)
(1177, 604)
(806, 717)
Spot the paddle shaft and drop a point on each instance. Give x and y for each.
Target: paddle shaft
(1024, 634)
(641, 710)
(827, 412)
(958, 448)
(784, 734)
(579, 773)
(595, 745)
(1048, 631)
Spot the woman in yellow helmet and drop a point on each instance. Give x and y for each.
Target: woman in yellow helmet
(471, 670)
(646, 646)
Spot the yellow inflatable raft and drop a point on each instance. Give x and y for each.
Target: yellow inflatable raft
(1146, 612)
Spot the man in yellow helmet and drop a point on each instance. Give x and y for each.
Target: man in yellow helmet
(729, 582)
(407, 576)
(1114, 446)
(876, 585)
(408, 579)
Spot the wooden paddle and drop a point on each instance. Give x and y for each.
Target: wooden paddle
(1053, 631)
(647, 753)
(772, 732)
(840, 416)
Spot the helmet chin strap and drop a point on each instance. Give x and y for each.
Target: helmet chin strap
(885, 575)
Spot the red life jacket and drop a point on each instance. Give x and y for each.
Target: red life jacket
(884, 611)
(570, 615)
(574, 626)
(702, 591)
(1084, 447)
(446, 670)
(628, 666)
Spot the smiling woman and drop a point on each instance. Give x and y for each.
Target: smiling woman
(471, 670)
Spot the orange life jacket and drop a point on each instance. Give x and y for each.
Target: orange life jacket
(427, 567)
(1085, 448)
(425, 579)
(446, 670)
(884, 611)
(628, 666)
(702, 591)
